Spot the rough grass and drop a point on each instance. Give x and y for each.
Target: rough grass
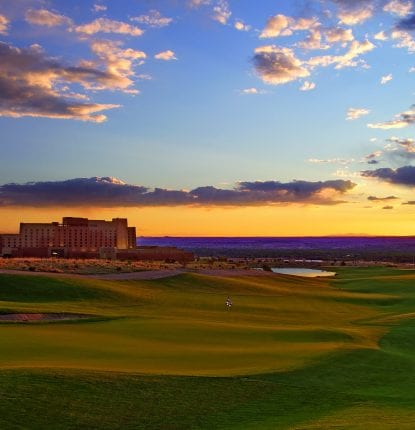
(291, 354)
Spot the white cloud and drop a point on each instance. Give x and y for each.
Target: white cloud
(198, 3)
(401, 120)
(166, 55)
(99, 8)
(349, 59)
(251, 91)
(153, 19)
(307, 86)
(105, 25)
(338, 34)
(404, 40)
(282, 25)
(46, 18)
(398, 7)
(356, 113)
(313, 41)
(221, 12)
(380, 36)
(341, 161)
(118, 62)
(357, 15)
(278, 25)
(241, 26)
(385, 79)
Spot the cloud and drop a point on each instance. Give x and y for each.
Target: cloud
(46, 18)
(166, 55)
(99, 8)
(341, 161)
(385, 79)
(32, 84)
(198, 3)
(404, 40)
(105, 25)
(313, 41)
(221, 12)
(241, 26)
(277, 65)
(382, 199)
(398, 7)
(250, 91)
(372, 157)
(407, 24)
(4, 25)
(381, 35)
(111, 192)
(355, 12)
(401, 120)
(349, 59)
(278, 25)
(118, 62)
(307, 86)
(401, 176)
(387, 207)
(356, 113)
(410, 202)
(407, 143)
(338, 34)
(400, 149)
(153, 19)
(282, 25)
(354, 17)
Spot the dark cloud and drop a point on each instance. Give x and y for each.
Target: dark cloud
(297, 188)
(382, 199)
(402, 176)
(277, 65)
(373, 162)
(410, 202)
(109, 192)
(387, 207)
(32, 84)
(407, 24)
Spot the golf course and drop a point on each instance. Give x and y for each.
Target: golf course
(291, 353)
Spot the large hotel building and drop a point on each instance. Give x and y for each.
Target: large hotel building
(82, 238)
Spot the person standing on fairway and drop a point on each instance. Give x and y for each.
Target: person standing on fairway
(228, 302)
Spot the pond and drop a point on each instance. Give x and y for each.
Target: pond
(297, 271)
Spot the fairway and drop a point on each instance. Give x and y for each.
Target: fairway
(300, 353)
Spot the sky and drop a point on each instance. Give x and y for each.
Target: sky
(210, 117)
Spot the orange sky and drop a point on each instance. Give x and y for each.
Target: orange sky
(292, 220)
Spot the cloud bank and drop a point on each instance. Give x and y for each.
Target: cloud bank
(110, 192)
(402, 176)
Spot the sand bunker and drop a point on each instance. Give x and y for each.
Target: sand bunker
(41, 317)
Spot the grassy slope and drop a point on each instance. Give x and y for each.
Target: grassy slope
(314, 355)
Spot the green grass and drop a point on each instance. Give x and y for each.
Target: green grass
(292, 353)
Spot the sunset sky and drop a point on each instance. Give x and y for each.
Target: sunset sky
(210, 117)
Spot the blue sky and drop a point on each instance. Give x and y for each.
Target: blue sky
(239, 91)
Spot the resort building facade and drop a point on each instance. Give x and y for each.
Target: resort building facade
(83, 238)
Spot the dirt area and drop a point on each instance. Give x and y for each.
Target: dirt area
(41, 317)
